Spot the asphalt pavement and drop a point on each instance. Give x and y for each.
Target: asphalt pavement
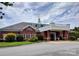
(51, 48)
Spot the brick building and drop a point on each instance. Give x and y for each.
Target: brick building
(48, 31)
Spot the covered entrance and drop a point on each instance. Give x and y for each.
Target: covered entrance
(58, 35)
(55, 32)
(52, 36)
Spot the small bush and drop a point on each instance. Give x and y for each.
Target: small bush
(1, 38)
(19, 38)
(10, 37)
(33, 39)
(61, 38)
(73, 38)
(40, 37)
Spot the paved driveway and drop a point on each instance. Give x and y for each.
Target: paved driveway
(56, 48)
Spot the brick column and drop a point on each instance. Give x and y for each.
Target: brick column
(66, 34)
(61, 35)
(48, 36)
(43, 34)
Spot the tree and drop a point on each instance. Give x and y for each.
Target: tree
(7, 3)
(76, 29)
(1, 8)
(74, 33)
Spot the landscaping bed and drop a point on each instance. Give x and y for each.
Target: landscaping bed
(12, 39)
(10, 44)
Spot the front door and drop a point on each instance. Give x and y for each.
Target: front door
(53, 36)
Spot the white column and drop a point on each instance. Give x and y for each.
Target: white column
(25, 36)
(54, 36)
(30, 35)
(48, 36)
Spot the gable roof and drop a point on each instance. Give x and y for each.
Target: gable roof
(22, 25)
(19, 26)
(30, 27)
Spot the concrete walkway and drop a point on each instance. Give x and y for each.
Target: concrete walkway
(52, 48)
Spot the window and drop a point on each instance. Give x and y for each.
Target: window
(28, 35)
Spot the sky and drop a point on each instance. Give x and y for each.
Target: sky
(48, 12)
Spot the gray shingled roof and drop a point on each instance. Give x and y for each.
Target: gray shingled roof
(19, 26)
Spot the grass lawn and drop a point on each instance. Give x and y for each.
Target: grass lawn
(10, 44)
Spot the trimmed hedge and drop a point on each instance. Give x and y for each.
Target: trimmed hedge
(10, 38)
(1, 38)
(19, 38)
(72, 38)
(61, 38)
(33, 39)
(40, 37)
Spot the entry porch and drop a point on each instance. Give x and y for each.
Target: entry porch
(55, 35)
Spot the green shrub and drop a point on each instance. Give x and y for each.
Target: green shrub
(40, 37)
(33, 39)
(73, 38)
(61, 38)
(19, 38)
(75, 33)
(10, 38)
(1, 38)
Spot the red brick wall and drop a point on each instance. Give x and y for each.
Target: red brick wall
(28, 30)
(66, 35)
(46, 35)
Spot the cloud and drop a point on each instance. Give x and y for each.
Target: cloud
(58, 12)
